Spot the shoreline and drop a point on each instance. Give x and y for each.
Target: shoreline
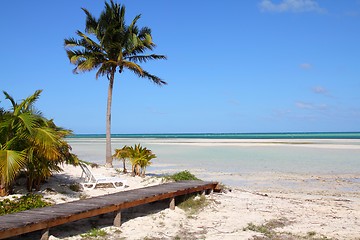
(321, 143)
(236, 156)
(308, 207)
(302, 201)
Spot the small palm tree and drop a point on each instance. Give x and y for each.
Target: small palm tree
(145, 161)
(31, 142)
(140, 158)
(123, 154)
(109, 46)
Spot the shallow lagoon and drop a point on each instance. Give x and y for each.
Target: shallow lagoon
(236, 156)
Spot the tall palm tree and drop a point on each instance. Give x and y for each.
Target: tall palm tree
(109, 46)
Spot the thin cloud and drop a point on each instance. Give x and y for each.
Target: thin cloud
(281, 113)
(234, 102)
(352, 13)
(320, 90)
(305, 66)
(304, 105)
(292, 115)
(155, 111)
(311, 106)
(290, 6)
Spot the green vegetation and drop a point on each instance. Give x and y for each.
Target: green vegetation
(94, 233)
(139, 157)
(311, 233)
(75, 187)
(193, 204)
(122, 154)
(180, 176)
(109, 46)
(23, 203)
(30, 143)
(269, 233)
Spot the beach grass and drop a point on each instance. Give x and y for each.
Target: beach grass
(193, 204)
(94, 233)
(268, 231)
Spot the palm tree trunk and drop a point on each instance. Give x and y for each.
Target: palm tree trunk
(133, 173)
(3, 190)
(138, 172)
(125, 171)
(108, 122)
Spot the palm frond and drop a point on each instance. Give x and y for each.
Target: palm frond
(91, 22)
(88, 43)
(71, 42)
(153, 78)
(103, 71)
(145, 58)
(87, 65)
(10, 164)
(27, 103)
(28, 121)
(133, 67)
(132, 27)
(11, 99)
(144, 31)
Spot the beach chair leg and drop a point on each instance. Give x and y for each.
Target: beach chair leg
(117, 219)
(172, 203)
(45, 234)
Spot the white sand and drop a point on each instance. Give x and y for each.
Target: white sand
(326, 205)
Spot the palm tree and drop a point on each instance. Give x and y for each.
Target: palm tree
(123, 154)
(145, 161)
(14, 127)
(115, 47)
(140, 158)
(31, 142)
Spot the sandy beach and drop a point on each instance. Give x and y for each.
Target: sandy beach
(319, 205)
(291, 205)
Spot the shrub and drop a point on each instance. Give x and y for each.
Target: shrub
(183, 175)
(26, 202)
(75, 187)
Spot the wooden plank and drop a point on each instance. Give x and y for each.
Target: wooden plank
(44, 218)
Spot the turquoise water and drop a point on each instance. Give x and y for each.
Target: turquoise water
(234, 159)
(235, 156)
(295, 135)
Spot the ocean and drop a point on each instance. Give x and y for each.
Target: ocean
(210, 155)
(286, 135)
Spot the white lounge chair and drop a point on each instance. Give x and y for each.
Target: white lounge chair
(91, 180)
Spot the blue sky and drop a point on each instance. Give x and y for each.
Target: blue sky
(233, 66)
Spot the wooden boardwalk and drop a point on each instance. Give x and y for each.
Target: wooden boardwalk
(44, 218)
